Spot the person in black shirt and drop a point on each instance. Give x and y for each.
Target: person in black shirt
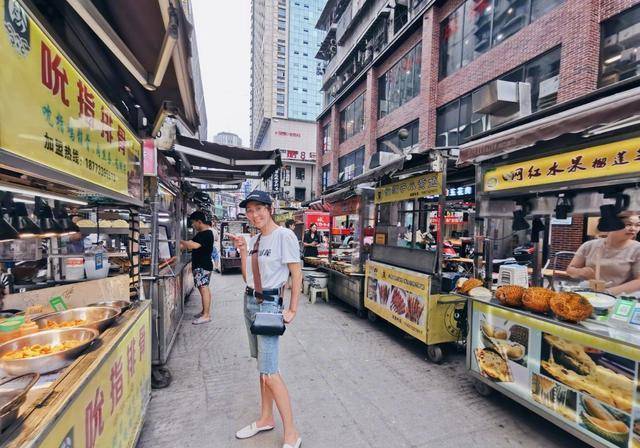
(201, 247)
(311, 241)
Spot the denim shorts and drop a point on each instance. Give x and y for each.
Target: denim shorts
(264, 348)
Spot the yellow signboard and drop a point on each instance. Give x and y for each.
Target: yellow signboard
(109, 410)
(611, 159)
(414, 187)
(50, 114)
(399, 296)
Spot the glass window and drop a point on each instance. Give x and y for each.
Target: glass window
(456, 122)
(351, 165)
(478, 25)
(352, 119)
(477, 30)
(391, 141)
(326, 138)
(619, 55)
(541, 7)
(280, 98)
(447, 120)
(400, 83)
(326, 172)
(300, 173)
(407, 224)
(300, 193)
(451, 42)
(509, 17)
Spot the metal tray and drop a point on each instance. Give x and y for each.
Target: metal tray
(50, 362)
(96, 317)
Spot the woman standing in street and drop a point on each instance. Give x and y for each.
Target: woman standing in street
(311, 241)
(273, 253)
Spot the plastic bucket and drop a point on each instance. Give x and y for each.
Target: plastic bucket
(319, 279)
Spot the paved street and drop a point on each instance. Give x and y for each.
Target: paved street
(354, 385)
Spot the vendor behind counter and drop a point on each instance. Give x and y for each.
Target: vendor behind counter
(615, 259)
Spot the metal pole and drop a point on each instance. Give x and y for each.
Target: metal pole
(442, 201)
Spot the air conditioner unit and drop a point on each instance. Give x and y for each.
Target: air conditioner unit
(501, 99)
(549, 86)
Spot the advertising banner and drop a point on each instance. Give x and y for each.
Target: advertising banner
(399, 296)
(612, 159)
(320, 219)
(53, 116)
(109, 410)
(414, 187)
(587, 381)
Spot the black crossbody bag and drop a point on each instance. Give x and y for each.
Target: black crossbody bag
(265, 324)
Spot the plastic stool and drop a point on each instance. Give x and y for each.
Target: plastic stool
(314, 291)
(305, 287)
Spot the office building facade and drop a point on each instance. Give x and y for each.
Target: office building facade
(285, 88)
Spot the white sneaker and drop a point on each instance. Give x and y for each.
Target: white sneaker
(251, 430)
(297, 445)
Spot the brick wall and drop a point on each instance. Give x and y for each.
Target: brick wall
(575, 25)
(567, 238)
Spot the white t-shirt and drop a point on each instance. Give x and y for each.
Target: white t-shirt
(276, 250)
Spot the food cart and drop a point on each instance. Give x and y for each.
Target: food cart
(100, 385)
(166, 274)
(409, 275)
(570, 355)
(305, 218)
(229, 255)
(351, 235)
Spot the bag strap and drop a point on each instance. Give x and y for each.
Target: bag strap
(255, 267)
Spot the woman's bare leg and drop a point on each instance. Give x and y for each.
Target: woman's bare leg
(281, 396)
(266, 412)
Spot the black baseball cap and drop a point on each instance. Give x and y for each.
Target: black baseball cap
(198, 216)
(257, 196)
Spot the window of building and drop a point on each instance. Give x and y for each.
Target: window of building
(300, 173)
(326, 138)
(351, 165)
(281, 74)
(305, 78)
(280, 110)
(300, 194)
(456, 122)
(280, 98)
(281, 49)
(400, 83)
(620, 54)
(391, 141)
(478, 25)
(326, 173)
(282, 13)
(352, 119)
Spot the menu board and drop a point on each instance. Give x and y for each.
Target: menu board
(399, 296)
(586, 381)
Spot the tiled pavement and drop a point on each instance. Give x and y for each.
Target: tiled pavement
(354, 385)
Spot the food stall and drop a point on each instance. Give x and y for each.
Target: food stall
(305, 218)
(166, 273)
(413, 265)
(350, 238)
(570, 353)
(78, 339)
(229, 255)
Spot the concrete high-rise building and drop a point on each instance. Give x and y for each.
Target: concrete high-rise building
(285, 89)
(227, 138)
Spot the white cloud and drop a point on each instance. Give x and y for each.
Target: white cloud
(223, 31)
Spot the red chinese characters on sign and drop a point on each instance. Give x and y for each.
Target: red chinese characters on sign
(288, 134)
(86, 101)
(141, 342)
(117, 382)
(131, 357)
(107, 122)
(122, 140)
(54, 76)
(93, 419)
(299, 155)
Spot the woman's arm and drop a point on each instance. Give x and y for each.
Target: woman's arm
(189, 245)
(241, 245)
(578, 270)
(630, 286)
(296, 286)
